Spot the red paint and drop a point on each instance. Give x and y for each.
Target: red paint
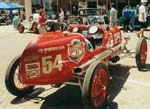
(46, 60)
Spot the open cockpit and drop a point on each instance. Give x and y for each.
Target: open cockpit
(93, 36)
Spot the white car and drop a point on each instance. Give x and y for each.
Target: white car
(31, 24)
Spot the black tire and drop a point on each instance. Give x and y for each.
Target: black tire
(141, 53)
(20, 28)
(35, 27)
(89, 91)
(10, 80)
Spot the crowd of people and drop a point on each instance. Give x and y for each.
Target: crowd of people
(4, 17)
(42, 23)
(131, 14)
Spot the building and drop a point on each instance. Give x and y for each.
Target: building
(52, 6)
(68, 4)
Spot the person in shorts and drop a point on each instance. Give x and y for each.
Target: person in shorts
(142, 18)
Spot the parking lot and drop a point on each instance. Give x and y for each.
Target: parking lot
(129, 88)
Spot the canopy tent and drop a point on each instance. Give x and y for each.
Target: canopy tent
(10, 7)
(17, 5)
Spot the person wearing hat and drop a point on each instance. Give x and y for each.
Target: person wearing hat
(142, 18)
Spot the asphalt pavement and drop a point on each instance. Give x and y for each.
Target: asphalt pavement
(129, 88)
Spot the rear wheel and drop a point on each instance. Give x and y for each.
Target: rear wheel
(141, 53)
(95, 86)
(35, 27)
(13, 77)
(20, 28)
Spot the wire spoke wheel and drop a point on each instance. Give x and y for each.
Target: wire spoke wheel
(95, 86)
(35, 27)
(20, 28)
(13, 79)
(141, 53)
(17, 81)
(99, 87)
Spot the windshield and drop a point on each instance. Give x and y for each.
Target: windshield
(96, 19)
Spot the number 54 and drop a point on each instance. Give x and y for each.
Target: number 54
(48, 65)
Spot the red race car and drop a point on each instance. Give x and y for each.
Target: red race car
(82, 53)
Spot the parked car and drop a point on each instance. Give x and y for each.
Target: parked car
(90, 16)
(30, 24)
(89, 20)
(61, 57)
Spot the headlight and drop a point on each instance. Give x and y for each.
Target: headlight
(75, 30)
(93, 29)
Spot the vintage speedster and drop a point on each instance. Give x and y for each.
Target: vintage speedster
(68, 57)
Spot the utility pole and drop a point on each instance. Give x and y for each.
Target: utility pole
(116, 4)
(28, 8)
(42, 3)
(107, 4)
(97, 3)
(128, 2)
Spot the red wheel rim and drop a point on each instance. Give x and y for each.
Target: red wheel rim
(143, 52)
(99, 87)
(20, 28)
(17, 81)
(35, 26)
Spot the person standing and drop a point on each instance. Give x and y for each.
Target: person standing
(113, 14)
(132, 19)
(126, 15)
(42, 22)
(142, 18)
(61, 19)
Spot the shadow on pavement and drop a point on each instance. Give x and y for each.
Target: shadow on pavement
(33, 95)
(146, 68)
(70, 97)
(119, 75)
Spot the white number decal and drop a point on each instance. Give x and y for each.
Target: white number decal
(57, 63)
(48, 65)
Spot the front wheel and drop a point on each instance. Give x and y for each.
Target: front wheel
(95, 86)
(13, 77)
(35, 27)
(141, 53)
(20, 28)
